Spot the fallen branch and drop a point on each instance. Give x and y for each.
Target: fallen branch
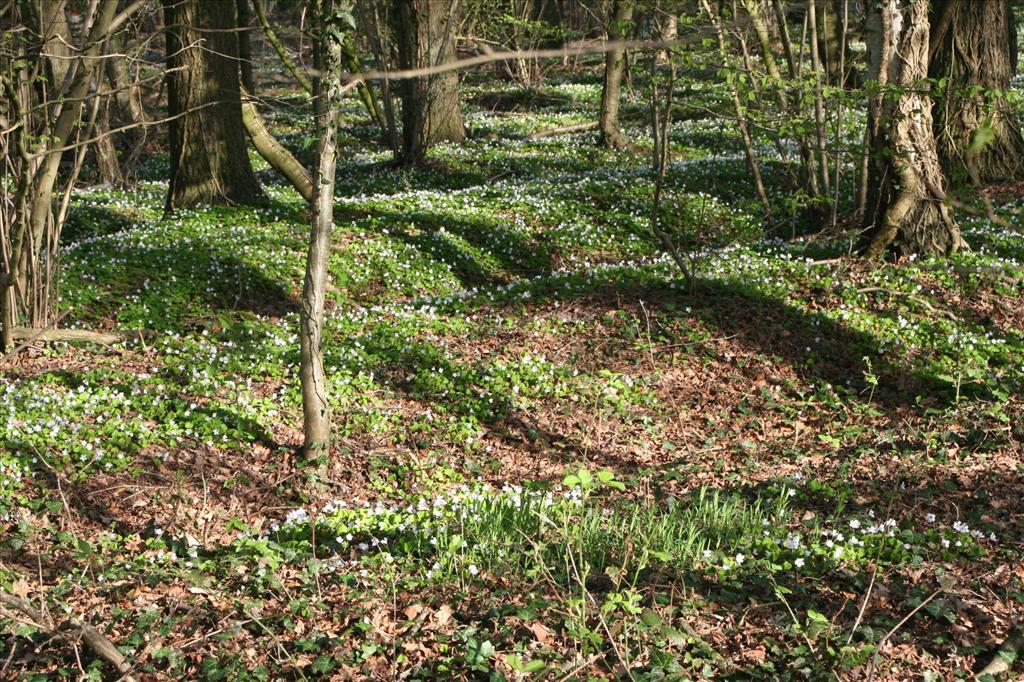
(72, 631)
(564, 130)
(103, 338)
(1006, 654)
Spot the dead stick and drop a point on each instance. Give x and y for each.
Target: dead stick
(71, 631)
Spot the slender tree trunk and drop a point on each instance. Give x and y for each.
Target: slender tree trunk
(973, 51)
(327, 89)
(209, 159)
(244, 15)
(36, 227)
(374, 29)
(614, 64)
(809, 166)
(351, 63)
(908, 202)
(279, 48)
(819, 101)
(753, 164)
(430, 104)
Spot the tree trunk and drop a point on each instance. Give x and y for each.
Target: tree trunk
(245, 44)
(126, 95)
(327, 98)
(107, 165)
(30, 271)
(209, 159)
(430, 104)
(908, 201)
(1011, 28)
(614, 64)
(972, 50)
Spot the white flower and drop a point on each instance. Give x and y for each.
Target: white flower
(799, 563)
(854, 523)
(945, 543)
(473, 570)
(929, 518)
(740, 559)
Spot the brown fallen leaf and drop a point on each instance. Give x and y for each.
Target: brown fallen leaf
(442, 615)
(541, 632)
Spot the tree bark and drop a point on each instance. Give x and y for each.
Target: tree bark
(107, 164)
(209, 159)
(614, 64)
(244, 15)
(974, 54)
(273, 152)
(126, 95)
(425, 31)
(327, 90)
(908, 202)
(1011, 27)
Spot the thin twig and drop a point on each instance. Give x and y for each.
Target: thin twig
(864, 605)
(881, 643)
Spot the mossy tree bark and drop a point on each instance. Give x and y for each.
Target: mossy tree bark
(971, 48)
(273, 151)
(907, 204)
(425, 31)
(614, 64)
(209, 159)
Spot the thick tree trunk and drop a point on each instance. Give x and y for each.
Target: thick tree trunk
(58, 46)
(107, 164)
(614, 64)
(430, 104)
(126, 93)
(1011, 28)
(209, 159)
(972, 49)
(327, 91)
(908, 202)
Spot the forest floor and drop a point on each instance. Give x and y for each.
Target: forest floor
(553, 460)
